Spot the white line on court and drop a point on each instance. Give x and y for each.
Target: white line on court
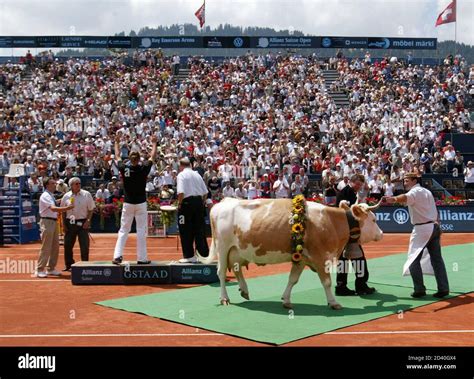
(110, 335)
(406, 332)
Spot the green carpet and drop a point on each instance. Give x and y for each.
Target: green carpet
(264, 319)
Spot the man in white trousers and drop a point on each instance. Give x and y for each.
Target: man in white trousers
(424, 252)
(134, 177)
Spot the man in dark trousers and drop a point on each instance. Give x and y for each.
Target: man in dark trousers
(134, 177)
(192, 194)
(349, 194)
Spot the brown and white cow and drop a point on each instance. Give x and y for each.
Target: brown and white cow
(258, 231)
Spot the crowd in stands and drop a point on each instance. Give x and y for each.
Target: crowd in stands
(253, 126)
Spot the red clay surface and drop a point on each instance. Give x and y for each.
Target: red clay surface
(52, 312)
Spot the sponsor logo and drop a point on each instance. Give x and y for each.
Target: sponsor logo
(326, 42)
(383, 44)
(238, 42)
(263, 42)
(214, 43)
(46, 362)
(447, 215)
(107, 272)
(91, 272)
(206, 271)
(401, 216)
(95, 42)
(146, 42)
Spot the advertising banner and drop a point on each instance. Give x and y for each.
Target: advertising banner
(454, 219)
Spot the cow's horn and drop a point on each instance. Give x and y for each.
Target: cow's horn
(376, 206)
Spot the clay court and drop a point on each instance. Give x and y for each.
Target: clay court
(53, 312)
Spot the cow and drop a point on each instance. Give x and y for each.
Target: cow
(258, 231)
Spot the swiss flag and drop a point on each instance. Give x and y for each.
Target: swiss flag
(448, 15)
(201, 14)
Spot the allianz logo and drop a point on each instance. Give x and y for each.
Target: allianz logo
(91, 272)
(401, 216)
(192, 271)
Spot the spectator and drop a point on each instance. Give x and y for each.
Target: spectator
(469, 175)
(102, 193)
(240, 191)
(228, 191)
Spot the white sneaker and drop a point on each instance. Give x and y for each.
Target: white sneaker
(189, 260)
(54, 273)
(41, 274)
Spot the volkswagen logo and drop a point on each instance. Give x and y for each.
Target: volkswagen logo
(326, 42)
(107, 272)
(401, 216)
(238, 42)
(206, 271)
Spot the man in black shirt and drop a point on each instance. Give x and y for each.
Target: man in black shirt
(134, 176)
(349, 194)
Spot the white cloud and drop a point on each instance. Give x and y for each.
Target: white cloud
(411, 18)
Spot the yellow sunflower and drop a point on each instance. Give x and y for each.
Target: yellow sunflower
(297, 228)
(298, 209)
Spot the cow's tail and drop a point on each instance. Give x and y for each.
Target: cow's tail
(213, 249)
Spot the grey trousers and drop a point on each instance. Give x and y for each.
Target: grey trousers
(434, 249)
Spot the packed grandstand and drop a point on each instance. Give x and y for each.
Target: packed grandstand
(274, 125)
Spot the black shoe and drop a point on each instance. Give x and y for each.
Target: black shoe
(344, 291)
(441, 294)
(117, 261)
(366, 291)
(417, 295)
(66, 269)
(147, 262)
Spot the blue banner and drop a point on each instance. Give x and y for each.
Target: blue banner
(221, 42)
(402, 43)
(454, 219)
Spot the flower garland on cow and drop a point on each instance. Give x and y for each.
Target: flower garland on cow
(298, 224)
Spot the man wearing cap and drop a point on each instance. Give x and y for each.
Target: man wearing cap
(192, 194)
(424, 252)
(134, 177)
(349, 194)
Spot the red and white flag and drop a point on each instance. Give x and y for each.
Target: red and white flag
(448, 15)
(201, 14)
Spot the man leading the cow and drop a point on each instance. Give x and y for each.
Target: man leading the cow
(349, 194)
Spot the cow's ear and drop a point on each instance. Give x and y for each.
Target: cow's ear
(344, 204)
(360, 213)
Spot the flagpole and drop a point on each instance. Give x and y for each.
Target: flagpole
(456, 28)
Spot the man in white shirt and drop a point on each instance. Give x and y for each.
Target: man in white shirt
(281, 187)
(77, 222)
(228, 191)
(425, 238)
(192, 194)
(102, 193)
(240, 191)
(469, 175)
(49, 252)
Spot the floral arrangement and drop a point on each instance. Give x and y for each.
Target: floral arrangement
(108, 210)
(153, 203)
(451, 200)
(169, 218)
(297, 223)
(316, 199)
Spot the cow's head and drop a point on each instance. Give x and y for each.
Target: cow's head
(369, 230)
